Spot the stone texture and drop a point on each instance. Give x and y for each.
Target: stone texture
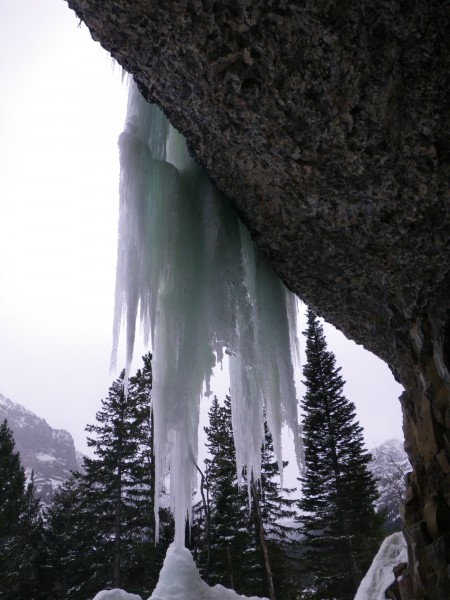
(326, 123)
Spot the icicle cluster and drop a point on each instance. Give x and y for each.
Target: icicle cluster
(201, 287)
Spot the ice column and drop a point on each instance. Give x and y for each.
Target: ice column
(189, 269)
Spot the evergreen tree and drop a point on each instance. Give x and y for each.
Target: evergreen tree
(338, 517)
(145, 556)
(389, 466)
(249, 544)
(102, 484)
(278, 512)
(233, 548)
(111, 542)
(71, 536)
(21, 543)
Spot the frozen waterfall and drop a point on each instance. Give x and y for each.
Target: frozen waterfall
(188, 267)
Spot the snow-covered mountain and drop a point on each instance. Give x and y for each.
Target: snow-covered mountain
(50, 453)
(389, 465)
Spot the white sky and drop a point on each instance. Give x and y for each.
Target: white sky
(61, 110)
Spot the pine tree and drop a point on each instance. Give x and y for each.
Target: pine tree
(233, 561)
(112, 539)
(249, 544)
(120, 483)
(21, 542)
(338, 518)
(278, 512)
(389, 466)
(103, 481)
(145, 557)
(71, 537)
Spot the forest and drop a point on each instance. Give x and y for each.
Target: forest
(254, 536)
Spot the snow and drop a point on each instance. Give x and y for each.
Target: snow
(116, 594)
(180, 580)
(188, 267)
(56, 482)
(380, 575)
(45, 457)
(61, 435)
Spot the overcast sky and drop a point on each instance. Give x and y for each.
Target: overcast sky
(61, 110)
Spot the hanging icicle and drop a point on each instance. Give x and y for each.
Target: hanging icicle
(189, 268)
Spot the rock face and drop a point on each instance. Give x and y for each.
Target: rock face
(50, 453)
(327, 124)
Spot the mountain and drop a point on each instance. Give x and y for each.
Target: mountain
(389, 465)
(49, 452)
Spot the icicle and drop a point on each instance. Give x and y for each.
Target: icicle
(190, 269)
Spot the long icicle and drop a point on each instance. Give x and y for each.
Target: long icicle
(189, 268)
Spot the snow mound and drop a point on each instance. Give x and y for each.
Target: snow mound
(116, 594)
(180, 580)
(380, 575)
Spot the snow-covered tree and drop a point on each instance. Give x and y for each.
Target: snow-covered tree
(338, 520)
(389, 465)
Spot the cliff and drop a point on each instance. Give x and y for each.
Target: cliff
(327, 125)
(49, 453)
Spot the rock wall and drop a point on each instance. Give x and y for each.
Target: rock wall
(326, 123)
